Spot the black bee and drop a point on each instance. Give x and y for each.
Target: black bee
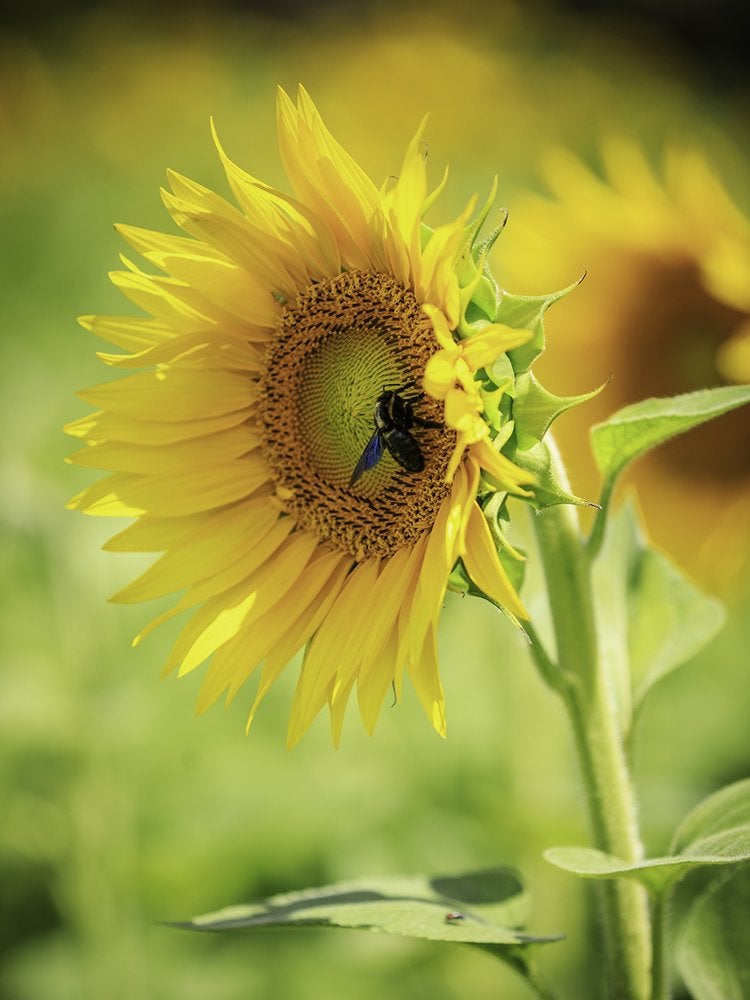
(393, 416)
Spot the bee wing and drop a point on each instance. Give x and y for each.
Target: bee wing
(369, 458)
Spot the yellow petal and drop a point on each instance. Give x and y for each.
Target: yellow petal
(426, 679)
(173, 394)
(484, 567)
(236, 661)
(510, 476)
(218, 540)
(153, 534)
(290, 220)
(443, 548)
(102, 426)
(172, 494)
(440, 326)
(495, 339)
(385, 599)
(131, 333)
(221, 618)
(215, 349)
(338, 639)
(242, 574)
(439, 374)
(266, 631)
(299, 632)
(210, 449)
(328, 180)
(373, 685)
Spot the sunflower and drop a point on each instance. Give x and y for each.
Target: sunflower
(306, 443)
(664, 309)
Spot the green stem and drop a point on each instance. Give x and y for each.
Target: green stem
(660, 973)
(592, 710)
(597, 532)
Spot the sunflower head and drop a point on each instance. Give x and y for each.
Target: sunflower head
(323, 411)
(666, 308)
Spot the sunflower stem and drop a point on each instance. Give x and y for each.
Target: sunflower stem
(660, 913)
(590, 703)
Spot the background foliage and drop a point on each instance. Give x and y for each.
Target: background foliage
(119, 808)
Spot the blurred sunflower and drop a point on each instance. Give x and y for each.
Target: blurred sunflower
(665, 309)
(304, 363)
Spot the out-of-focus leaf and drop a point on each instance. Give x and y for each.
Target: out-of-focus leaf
(486, 907)
(650, 618)
(725, 811)
(670, 621)
(713, 948)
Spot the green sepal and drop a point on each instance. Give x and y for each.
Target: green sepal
(488, 907)
(717, 832)
(473, 258)
(496, 405)
(513, 558)
(459, 581)
(502, 375)
(482, 306)
(535, 408)
(547, 489)
(527, 312)
(477, 251)
(481, 249)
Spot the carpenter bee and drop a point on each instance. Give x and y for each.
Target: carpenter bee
(393, 417)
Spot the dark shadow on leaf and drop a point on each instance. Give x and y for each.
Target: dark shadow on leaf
(493, 885)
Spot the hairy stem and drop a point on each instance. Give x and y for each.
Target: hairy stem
(590, 702)
(660, 990)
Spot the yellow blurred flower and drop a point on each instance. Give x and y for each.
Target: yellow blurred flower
(665, 308)
(270, 447)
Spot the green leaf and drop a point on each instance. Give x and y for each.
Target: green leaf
(713, 948)
(670, 621)
(717, 832)
(656, 874)
(642, 426)
(485, 908)
(527, 312)
(535, 408)
(650, 618)
(725, 812)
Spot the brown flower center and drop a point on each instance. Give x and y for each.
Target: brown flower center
(340, 347)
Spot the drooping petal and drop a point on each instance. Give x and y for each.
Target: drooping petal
(339, 638)
(484, 566)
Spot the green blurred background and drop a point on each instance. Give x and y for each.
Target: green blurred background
(120, 809)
